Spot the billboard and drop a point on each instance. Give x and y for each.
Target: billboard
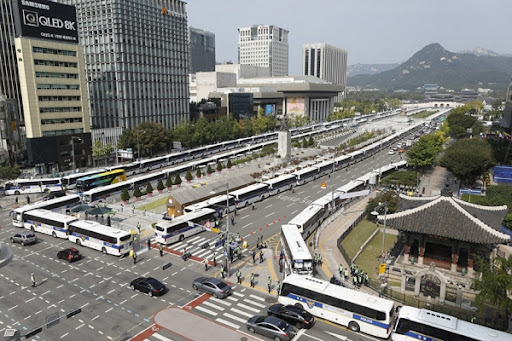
(43, 19)
(270, 110)
(295, 106)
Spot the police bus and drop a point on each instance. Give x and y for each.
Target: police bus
(66, 201)
(250, 194)
(296, 251)
(48, 222)
(280, 184)
(27, 186)
(189, 224)
(356, 310)
(100, 237)
(217, 203)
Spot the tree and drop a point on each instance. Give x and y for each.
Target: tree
(126, 140)
(311, 142)
(209, 170)
(159, 185)
(177, 180)
(219, 166)
(260, 122)
(468, 159)
(98, 150)
(198, 172)
(125, 196)
(459, 120)
(229, 164)
(188, 176)
(9, 172)
(168, 182)
(136, 192)
(151, 137)
(495, 282)
(390, 197)
(149, 188)
(424, 152)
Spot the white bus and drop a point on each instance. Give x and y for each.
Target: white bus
(296, 251)
(250, 194)
(48, 222)
(27, 186)
(66, 201)
(422, 324)
(100, 237)
(306, 175)
(280, 184)
(308, 220)
(189, 224)
(354, 309)
(218, 203)
(69, 181)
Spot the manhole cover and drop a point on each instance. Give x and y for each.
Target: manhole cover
(243, 338)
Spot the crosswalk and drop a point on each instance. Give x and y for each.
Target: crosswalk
(235, 310)
(194, 246)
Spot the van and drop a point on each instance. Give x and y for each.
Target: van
(24, 238)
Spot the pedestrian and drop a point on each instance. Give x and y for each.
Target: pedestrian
(161, 249)
(33, 279)
(346, 274)
(341, 270)
(222, 270)
(233, 220)
(28, 200)
(133, 209)
(253, 256)
(252, 280)
(473, 319)
(144, 211)
(185, 250)
(281, 255)
(320, 259)
(134, 257)
(354, 280)
(205, 264)
(261, 256)
(138, 226)
(214, 260)
(269, 284)
(239, 276)
(278, 287)
(149, 244)
(281, 265)
(253, 206)
(16, 200)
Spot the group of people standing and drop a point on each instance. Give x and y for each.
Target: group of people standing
(359, 277)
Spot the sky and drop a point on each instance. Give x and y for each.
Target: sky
(371, 31)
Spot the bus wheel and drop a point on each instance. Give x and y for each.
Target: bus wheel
(32, 228)
(353, 326)
(181, 238)
(78, 242)
(54, 235)
(298, 305)
(17, 192)
(104, 250)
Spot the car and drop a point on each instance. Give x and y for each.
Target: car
(391, 152)
(213, 286)
(148, 285)
(292, 315)
(70, 254)
(272, 327)
(24, 238)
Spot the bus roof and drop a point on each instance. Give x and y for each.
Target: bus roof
(359, 297)
(305, 170)
(97, 227)
(186, 217)
(305, 215)
(279, 178)
(80, 175)
(217, 200)
(295, 242)
(41, 212)
(248, 188)
(45, 203)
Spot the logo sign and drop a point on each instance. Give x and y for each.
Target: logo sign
(323, 185)
(44, 19)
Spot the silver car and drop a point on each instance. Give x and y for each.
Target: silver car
(24, 238)
(213, 286)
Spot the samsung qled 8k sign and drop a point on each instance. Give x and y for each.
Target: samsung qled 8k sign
(45, 20)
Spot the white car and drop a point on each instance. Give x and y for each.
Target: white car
(391, 152)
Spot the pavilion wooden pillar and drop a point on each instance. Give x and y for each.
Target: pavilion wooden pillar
(406, 252)
(471, 263)
(422, 250)
(455, 252)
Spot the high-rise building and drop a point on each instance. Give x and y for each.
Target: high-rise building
(14, 135)
(201, 50)
(52, 83)
(136, 54)
(326, 62)
(264, 45)
(507, 112)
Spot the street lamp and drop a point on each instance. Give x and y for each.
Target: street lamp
(375, 213)
(73, 149)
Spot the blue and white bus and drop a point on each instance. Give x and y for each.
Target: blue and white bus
(306, 175)
(308, 220)
(189, 224)
(250, 194)
(297, 254)
(356, 310)
(64, 202)
(217, 203)
(100, 237)
(280, 184)
(27, 186)
(48, 222)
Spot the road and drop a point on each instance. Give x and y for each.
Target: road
(99, 284)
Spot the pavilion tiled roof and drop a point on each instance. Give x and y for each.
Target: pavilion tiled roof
(448, 217)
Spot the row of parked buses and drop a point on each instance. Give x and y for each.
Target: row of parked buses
(109, 175)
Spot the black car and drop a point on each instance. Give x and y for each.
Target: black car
(293, 315)
(70, 254)
(148, 285)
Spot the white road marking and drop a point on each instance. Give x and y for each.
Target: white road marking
(236, 318)
(208, 311)
(248, 308)
(232, 325)
(160, 337)
(214, 306)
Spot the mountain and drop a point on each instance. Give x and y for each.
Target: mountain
(479, 51)
(435, 65)
(369, 69)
